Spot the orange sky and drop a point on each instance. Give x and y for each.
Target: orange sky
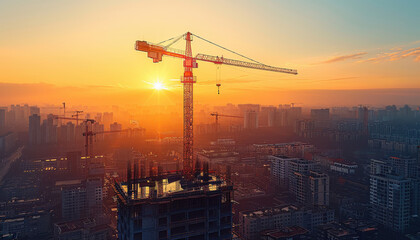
(83, 51)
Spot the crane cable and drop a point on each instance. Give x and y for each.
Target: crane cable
(176, 40)
(217, 45)
(170, 39)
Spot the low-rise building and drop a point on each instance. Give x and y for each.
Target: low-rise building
(343, 168)
(286, 233)
(85, 228)
(253, 222)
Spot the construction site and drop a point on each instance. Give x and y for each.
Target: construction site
(189, 203)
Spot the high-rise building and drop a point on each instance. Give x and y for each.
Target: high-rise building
(322, 114)
(2, 119)
(94, 195)
(303, 166)
(98, 117)
(81, 198)
(73, 199)
(266, 116)
(97, 127)
(74, 163)
(70, 132)
(395, 191)
(49, 131)
(287, 116)
(34, 110)
(115, 127)
(280, 169)
(107, 119)
(306, 184)
(173, 206)
(390, 201)
(320, 117)
(34, 129)
(319, 189)
(251, 120)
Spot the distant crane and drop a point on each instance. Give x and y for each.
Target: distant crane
(217, 115)
(86, 121)
(77, 113)
(90, 134)
(64, 109)
(156, 51)
(293, 104)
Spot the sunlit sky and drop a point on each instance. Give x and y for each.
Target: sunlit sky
(88, 47)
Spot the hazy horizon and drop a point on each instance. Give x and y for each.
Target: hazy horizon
(43, 94)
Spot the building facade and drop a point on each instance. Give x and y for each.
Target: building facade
(170, 207)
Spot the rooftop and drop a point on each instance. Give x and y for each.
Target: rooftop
(270, 211)
(168, 185)
(282, 144)
(285, 232)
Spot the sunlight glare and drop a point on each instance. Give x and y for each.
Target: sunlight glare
(158, 86)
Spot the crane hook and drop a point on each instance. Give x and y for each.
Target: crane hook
(218, 78)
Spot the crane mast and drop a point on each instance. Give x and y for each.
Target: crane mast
(156, 51)
(188, 81)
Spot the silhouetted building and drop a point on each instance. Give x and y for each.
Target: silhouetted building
(321, 118)
(34, 129)
(8, 142)
(320, 114)
(107, 118)
(115, 127)
(2, 119)
(251, 120)
(74, 163)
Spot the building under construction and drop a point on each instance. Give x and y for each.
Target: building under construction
(173, 205)
(190, 204)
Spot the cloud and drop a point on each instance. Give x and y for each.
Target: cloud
(396, 55)
(344, 57)
(334, 79)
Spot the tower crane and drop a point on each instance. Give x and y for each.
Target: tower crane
(156, 51)
(293, 104)
(86, 121)
(77, 114)
(217, 115)
(90, 134)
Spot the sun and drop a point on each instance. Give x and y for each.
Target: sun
(158, 86)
